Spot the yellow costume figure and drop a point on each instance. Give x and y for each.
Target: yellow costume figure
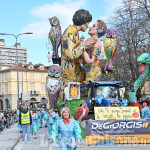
(93, 71)
(72, 49)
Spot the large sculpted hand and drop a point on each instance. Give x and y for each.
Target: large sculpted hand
(90, 42)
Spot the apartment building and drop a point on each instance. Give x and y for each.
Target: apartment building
(8, 54)
(32, 80)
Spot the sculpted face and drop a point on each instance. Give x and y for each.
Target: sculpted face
(84, 27)
(93, 29)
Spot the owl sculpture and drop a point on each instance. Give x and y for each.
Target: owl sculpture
(53, 84)
(110, 46)
(55, 35)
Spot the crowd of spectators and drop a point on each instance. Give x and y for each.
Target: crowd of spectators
(7, 118)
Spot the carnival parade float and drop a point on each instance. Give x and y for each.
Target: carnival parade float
(74, 81)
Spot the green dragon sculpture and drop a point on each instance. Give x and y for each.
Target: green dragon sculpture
(144, 59)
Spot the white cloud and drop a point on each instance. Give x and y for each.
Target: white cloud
(112, 4)
(64, 11)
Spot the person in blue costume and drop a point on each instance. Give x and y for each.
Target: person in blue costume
(145, 111)
(56, 113)
(39, 119)
(18, 113)
(52, 118)
(43, 113)
(46, 117)
(68, 131)
(34, 123)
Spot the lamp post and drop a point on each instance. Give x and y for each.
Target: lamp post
(16, 37)
(22, 64)
(48, 55)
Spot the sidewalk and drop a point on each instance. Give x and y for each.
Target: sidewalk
(9, 138)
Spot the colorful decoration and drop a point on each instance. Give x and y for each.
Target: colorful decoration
(74, 90)
(55, 35)
(53, 84)
(110, 47)
(82, 112)
(144, 59)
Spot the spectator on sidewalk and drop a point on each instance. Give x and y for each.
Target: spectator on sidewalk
(1, 121)
(25, 120)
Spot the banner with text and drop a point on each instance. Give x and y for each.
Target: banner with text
(119, 131)
(116, 113)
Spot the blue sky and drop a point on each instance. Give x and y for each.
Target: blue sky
(19, 16)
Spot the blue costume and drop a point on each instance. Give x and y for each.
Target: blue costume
(46, 118)
(51, 120)
(67, 134)
(43, 113)
(20, 128)
(39, 122)
(34, 123)
(145, 113)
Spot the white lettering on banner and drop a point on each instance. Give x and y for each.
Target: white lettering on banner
(139, 125)
(94, 125)
(107, 125)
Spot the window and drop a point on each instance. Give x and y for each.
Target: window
(42, 77)
(20, 76)
(43, 87)
(20, 88)
(31, 68)
(5, 75)
(32, 76)
(32, 87)
(6, 87)
(41, 68)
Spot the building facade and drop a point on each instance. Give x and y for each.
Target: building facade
(8, 54)
(32, 80)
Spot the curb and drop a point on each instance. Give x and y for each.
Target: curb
(15, 143)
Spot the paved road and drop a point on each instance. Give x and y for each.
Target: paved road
(9, 137)
(41, 143)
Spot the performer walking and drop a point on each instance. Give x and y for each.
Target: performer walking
(68, 131)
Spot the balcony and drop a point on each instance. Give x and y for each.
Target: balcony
(34, 93)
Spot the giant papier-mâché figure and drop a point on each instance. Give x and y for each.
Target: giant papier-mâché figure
(110, 47)
(53, 84)
(92, 54)
(144, 59)
(55, 35)
(73, 48)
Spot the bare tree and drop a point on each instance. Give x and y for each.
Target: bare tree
(132, 21)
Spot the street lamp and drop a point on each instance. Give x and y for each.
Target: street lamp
(48, 55)
(16, 36)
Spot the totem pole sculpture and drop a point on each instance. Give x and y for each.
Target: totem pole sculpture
(53, 84)
(55, 35)
(53, 79)
(144, 59)
(110, 47)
